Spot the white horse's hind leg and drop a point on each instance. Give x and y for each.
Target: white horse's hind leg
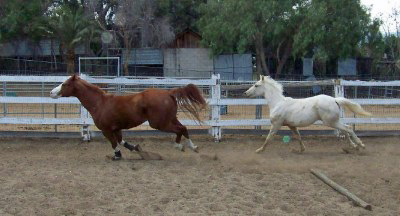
(272, 132)
(298, 137)
(347, 135)
(349, 131)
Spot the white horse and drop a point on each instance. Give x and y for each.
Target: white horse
(286, 111)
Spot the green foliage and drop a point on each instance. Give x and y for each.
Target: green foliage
(70, 25)
(298, 28)
(182, 14)
(373, 45)
(330, 31)
(20, 18)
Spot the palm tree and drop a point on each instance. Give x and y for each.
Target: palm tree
(71, 27)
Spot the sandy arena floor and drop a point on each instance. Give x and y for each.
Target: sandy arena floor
(70, 177)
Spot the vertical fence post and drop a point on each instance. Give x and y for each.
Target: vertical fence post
(85, 132)
(258, 115)
(339, 92)
(42, 96)
(4, 94)
(216, 109)
(354, 115)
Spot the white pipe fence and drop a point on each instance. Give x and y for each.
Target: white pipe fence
(215, 101)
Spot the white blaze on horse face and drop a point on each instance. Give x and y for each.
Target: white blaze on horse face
(55, 93)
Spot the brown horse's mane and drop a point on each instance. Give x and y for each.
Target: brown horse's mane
(93, 87)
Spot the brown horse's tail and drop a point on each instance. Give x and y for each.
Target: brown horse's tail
(190, 99)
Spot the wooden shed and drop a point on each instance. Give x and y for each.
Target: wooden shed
(186, 39)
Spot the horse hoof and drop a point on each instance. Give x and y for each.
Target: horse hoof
(114, 158)
(180, 147)
(350, 150)
(137, 148)
(259, 150)
(297, 151)
(196, 149)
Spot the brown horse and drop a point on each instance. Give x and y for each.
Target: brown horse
(113, 113)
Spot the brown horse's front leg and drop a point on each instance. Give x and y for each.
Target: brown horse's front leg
(112, 137)
(126, 144)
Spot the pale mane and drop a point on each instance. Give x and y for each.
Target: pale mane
(274, 84)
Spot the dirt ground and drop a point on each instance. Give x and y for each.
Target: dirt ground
(70, 177)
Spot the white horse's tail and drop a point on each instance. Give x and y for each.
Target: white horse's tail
(354, 107)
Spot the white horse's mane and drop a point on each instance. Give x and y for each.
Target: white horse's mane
(274, 84)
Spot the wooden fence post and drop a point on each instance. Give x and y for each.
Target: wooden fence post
(216, 109)
(339, 92)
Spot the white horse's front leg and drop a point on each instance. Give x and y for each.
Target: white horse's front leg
(272, 132)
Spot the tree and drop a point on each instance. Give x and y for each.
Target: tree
(182, 14)
(279, 30)
(264, 26)
(137, 24)
(19, 18)
(68, 23)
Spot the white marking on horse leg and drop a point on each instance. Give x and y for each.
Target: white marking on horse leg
(116, 149)
(55, 93)
(179, 146)
(122, 142)
(191, 145)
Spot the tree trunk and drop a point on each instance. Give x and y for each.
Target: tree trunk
(260, 54)
(126, 56)
(71, 61)
(282, 61)
(258, 67)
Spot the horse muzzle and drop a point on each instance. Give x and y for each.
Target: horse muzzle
(55, 94)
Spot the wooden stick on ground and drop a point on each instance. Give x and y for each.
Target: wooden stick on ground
(341, 189)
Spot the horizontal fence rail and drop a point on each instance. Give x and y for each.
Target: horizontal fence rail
(219, 97)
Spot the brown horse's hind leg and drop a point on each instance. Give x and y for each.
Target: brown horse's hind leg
(113, 138)
(176, 127)
(184, 132)
(126, 144)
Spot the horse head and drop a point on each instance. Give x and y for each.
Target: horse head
(66, 89)
(257, 89)
(266, 85)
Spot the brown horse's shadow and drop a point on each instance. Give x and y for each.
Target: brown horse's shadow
(143, 155)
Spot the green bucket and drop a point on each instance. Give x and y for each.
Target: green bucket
(286, 139)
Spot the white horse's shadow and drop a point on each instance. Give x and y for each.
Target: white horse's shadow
(286, 111)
